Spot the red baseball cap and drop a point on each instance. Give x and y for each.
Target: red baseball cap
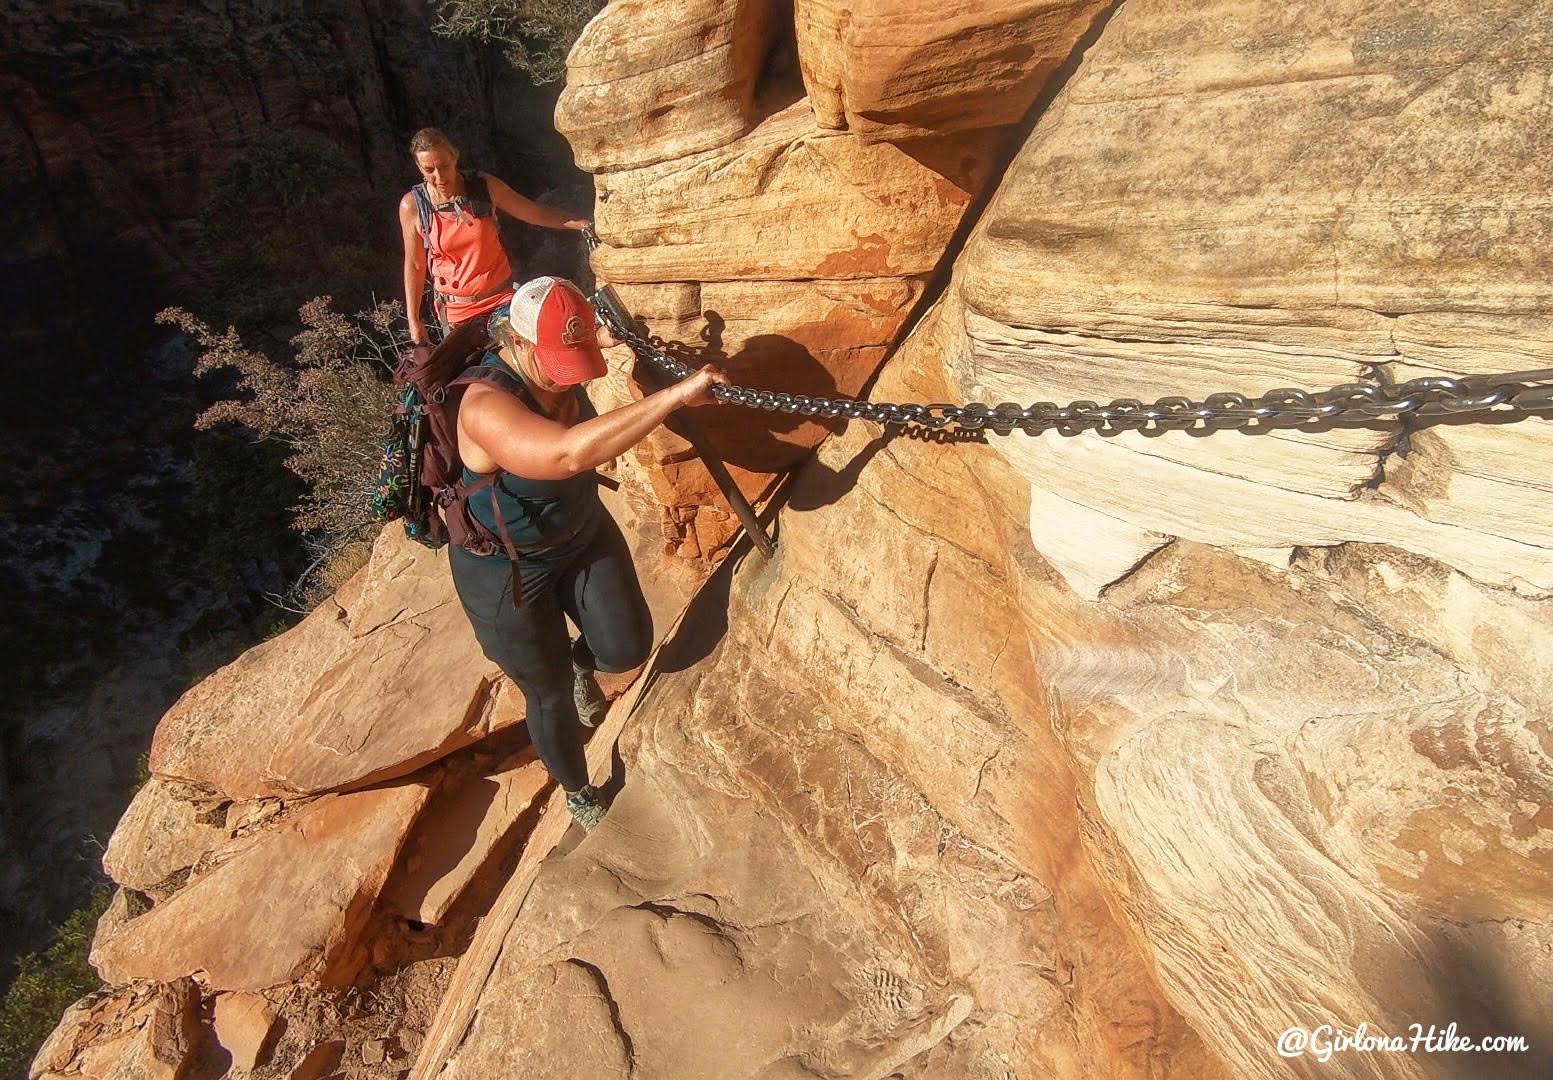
(552, 315)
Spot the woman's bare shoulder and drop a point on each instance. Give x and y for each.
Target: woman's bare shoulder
(482, 398)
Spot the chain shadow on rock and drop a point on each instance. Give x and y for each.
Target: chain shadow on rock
(704, 624)
(768, 442)
(705, 621)
(818, 485)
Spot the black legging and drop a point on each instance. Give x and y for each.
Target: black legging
(592, 579)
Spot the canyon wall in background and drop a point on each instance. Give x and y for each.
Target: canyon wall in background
(118, 121)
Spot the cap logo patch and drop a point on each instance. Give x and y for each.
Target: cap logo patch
(576, 331)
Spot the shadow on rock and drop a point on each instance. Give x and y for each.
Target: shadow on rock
(1484, 1000)
(751, 439)
(818, 485)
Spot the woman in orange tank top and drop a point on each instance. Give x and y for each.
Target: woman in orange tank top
(449, 225)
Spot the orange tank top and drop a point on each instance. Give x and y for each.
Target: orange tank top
(467, 259)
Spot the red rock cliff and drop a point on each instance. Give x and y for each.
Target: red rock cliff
(117, 116)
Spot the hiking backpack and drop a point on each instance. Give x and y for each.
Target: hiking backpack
(421, 475)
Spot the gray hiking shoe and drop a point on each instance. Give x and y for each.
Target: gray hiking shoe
(591, 702)
(587, 807)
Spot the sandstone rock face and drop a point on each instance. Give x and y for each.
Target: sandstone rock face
(740, 223)
(296, 898)
(791, 256)
(1325, 780)
(1340, 244)
(321, 1061)
(836, 333)
(372, 685)
(650, 82)
(883, 68)
(168, 827)
(1062, 755)
(142, 1032)
(847, 829)
(787, 202)
(245, 1026)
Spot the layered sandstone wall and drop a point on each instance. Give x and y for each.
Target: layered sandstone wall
(1310, 730)
(750, 220)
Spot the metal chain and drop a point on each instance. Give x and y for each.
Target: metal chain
(1435, 395)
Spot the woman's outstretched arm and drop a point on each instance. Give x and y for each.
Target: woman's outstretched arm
(524, 443)
(548, 217)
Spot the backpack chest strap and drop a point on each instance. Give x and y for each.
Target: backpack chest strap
(474, 202)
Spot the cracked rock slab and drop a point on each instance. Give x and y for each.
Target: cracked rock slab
(352, 696)
(296, 899)
(168, 827)
(465, 824)
(145, 1031)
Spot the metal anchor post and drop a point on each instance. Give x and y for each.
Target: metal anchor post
(684, 426)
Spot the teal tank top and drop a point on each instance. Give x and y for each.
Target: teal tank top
(536, 511)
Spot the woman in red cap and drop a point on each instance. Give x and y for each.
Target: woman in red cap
(450, 229)
(542, 441)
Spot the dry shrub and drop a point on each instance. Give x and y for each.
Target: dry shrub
(343, 564)
(535, 35)
(328, 405)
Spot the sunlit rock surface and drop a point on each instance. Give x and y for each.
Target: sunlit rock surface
(893, 69)
(296, 897)
(382, 679)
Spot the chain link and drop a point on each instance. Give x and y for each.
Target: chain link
(1435, 395)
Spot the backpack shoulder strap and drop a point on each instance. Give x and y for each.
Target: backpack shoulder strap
(498, 379)
(423, 210)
